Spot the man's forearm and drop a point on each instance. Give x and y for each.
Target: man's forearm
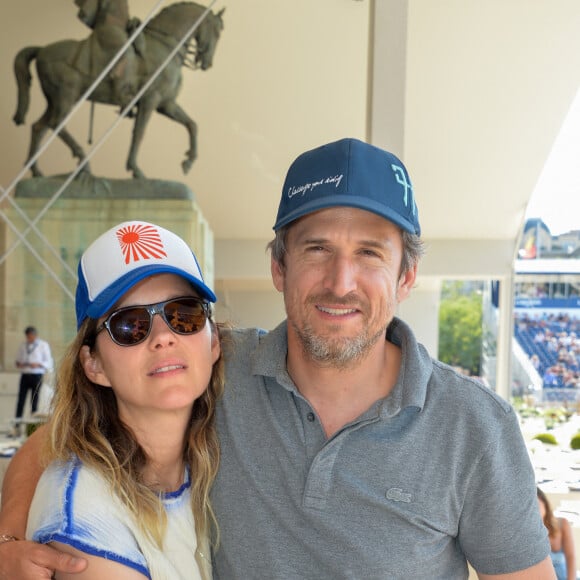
(21, 559)
(19, 485)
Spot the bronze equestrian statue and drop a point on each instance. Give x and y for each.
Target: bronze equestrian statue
(66, 69)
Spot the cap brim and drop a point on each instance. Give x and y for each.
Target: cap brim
(343, 200)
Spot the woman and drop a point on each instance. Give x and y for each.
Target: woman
(131, 440)
(561, 540)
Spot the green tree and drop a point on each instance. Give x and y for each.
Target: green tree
(460, 326)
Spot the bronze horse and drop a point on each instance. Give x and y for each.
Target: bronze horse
(64, 79)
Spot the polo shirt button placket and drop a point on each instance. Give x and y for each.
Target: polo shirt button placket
(310, 417)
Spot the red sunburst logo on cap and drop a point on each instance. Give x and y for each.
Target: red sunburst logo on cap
(140, 242)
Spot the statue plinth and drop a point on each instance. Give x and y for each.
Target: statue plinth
(87, 186)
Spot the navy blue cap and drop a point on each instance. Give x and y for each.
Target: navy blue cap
(349, 173)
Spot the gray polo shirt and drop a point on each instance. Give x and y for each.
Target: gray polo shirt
(433, 475)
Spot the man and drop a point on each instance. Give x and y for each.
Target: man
(33, 359)
(347, 452)
(111, 26)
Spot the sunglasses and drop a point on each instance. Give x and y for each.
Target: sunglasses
(131, 325)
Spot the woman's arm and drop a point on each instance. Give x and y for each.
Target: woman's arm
(21, 559)
(568, 548)
(97, 569)
(19, 484)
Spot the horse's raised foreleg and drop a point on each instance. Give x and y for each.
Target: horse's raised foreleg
(144, 109)
(176, 113)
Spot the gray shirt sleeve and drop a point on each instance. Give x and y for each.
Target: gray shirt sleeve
(500, 526)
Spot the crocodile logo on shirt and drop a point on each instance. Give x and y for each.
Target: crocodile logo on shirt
(397, 494)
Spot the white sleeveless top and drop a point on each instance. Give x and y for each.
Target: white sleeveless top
(74, 505)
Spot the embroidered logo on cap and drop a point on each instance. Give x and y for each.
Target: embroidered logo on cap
(401, 178)
(140, 242)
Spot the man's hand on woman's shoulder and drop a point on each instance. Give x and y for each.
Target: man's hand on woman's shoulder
(22, 560)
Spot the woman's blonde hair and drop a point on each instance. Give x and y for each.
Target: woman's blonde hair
(85, 422)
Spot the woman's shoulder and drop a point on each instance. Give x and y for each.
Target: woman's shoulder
(69, 493)
(71, 476)
(70, 483)
(563, 524)
(75, 505)
(55, 477)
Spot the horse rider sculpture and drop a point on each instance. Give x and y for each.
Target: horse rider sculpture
(111, 26)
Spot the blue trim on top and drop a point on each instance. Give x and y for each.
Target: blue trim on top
(68, 495)
(178, 492)
(92, 551)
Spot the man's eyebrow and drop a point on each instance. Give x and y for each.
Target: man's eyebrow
(313, 240)
(376, 243)
(370, 243)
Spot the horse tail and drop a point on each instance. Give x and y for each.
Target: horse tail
(23, 80)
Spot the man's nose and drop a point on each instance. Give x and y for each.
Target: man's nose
(341, 276)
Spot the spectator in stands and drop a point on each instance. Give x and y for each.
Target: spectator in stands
(561, 540)
(570, 380)
(550, 378)
(552, 343)
(539, 336)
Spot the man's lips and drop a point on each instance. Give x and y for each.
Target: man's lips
(337, 311)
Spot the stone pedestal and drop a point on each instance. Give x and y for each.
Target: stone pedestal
(37, 283)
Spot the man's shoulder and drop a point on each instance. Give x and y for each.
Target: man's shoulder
(255, 351)
(240, 337)
(240, 334)
(470, 390)
(239, 344)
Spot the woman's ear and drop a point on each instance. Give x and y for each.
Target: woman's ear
(93, 368)
(215, 343)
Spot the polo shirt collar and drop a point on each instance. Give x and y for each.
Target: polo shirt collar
(269, 360)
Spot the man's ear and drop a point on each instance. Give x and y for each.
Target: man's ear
(277, 271)
(93, 368)
(406, 283)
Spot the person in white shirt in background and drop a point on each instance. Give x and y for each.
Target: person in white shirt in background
(34, 359)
